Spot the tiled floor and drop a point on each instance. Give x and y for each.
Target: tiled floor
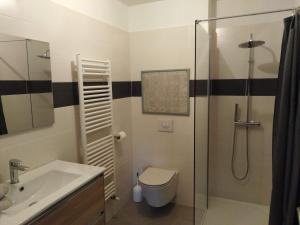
(142, 214)
(220, 212)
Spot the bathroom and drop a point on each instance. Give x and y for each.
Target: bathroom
(206, 133)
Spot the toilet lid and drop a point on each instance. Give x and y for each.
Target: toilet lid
(156, 176)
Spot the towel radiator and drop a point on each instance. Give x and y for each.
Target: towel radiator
(95, 100)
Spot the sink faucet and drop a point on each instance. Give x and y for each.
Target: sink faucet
(14, 166)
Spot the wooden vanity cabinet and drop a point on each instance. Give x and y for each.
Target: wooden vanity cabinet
(83, 207)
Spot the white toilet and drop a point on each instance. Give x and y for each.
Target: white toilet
(158, 186)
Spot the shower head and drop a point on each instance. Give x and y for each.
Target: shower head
(251, 43)
(45, 55)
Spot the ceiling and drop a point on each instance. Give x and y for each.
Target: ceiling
(136, 2)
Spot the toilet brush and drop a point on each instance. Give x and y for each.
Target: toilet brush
(137, 191)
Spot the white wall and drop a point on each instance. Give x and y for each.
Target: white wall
(153, 15)
(112, 12)
(225, 7)
(167, 13)
(170, 48)
(69, 33)
(162, 37)
(172, 151)
(162, 49)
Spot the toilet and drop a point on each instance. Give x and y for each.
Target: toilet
(158, 186)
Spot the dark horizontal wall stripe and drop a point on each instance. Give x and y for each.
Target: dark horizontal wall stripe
(226, 87)
(12, 87)
(237, 87)
(15, 87)
(94, 83)
(192, 88)
(39, 86)
(136, 88)
(121, 89)
(200, 87)
(65, 94)
(263, 87)
(230, 87)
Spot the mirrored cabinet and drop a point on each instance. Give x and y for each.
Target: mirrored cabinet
(26, 99)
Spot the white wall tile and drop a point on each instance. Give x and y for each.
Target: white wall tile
(231, 62)
(40, 146)
(112, 12)
(171, 48)
(224, 7)
(257, 188)
(159, 49)
(165, 150)
(69, 33)
(167, 13)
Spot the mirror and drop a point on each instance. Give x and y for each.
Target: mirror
(26, 99)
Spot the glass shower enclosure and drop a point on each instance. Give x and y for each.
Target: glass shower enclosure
(236, 69)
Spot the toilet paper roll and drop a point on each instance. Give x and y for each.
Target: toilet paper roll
(3, 190)
(120, 136)
(5, 203)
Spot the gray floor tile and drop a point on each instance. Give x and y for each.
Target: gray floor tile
(142, 214)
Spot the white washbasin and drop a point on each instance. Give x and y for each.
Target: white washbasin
(24, 195)
(41, 188)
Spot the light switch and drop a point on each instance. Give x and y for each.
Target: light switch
(166, 126)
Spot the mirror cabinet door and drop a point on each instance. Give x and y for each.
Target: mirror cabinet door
(39, 68)
(26, 99)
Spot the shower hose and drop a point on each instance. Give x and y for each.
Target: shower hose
(233, 157)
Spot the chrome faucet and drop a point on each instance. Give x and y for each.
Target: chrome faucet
(14, 166)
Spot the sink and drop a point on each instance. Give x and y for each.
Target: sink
(43, 187)
(24, 195)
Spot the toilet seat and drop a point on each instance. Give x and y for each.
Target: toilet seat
(158, 186)
(156, 177)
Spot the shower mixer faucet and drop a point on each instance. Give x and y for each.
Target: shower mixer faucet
(246, 123)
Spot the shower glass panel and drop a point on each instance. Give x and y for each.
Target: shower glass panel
(201, 120)
(237, 62)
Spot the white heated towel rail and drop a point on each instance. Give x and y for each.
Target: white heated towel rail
(95, 99)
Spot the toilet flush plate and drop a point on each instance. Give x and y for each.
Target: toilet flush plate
(166, 125)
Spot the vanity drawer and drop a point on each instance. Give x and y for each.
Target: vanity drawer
(84, 207)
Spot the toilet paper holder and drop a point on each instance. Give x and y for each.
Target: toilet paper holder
(119, 136)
